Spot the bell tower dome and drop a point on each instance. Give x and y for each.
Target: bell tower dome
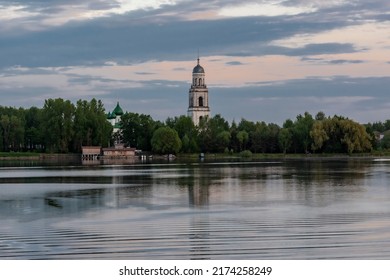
(198, 107)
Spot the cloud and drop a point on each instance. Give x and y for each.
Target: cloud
(317, 60)
(275, 8)
(124, 41)
(234, 63)
(46, 14)
(362, 99)
(105, 48)
(346, 61)
(314, 49)
(12, 12)
(145, 73)
(180, 69)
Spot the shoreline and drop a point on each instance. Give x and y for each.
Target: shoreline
(37, 157)
(184, 157)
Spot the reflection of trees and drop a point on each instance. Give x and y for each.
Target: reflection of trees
(320, 182)
(74, 195)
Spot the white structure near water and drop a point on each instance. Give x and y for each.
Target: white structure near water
(115, 118)
(198, 107)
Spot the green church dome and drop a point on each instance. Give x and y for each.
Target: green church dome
(110, 116)
(118, 110)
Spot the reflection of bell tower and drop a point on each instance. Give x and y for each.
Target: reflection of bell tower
(198, 107)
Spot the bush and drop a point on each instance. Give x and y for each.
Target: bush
(246, 153)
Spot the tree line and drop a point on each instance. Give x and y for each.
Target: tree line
(62, 127)
(58, 127)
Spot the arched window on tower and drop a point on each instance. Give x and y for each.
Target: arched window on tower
(200, 101)
(200, 82)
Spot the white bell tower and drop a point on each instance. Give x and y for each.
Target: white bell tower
(198, 107)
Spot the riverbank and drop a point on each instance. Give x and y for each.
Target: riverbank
(37, 156)
(26, 156)
(261, 156)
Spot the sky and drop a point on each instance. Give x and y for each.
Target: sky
(266, 60)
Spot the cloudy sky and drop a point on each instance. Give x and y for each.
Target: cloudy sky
(265, 60)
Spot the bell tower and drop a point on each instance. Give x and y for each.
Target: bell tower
(198, 107)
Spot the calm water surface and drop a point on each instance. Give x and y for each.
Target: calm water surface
(229, 210)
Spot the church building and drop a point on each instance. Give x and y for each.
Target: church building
(115, 118)
(198, 107)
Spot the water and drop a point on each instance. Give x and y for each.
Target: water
(308, 209)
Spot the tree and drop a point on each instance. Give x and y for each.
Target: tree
(166, 140)
(57, 124)
(320, 116)
(6, 127)
(13, 132)
(212, 136)
(339, 134)
(385, 142)
(272, 138)
(222, 141)
(258, 137)
(90, 125)
(12, 128)
(242, 137)
(187, 132)
(16, 133)
(33, 134)
(302, 128)
(138, 130)
(355, 137)
(234, 144)
(285, 139)
(319, 135)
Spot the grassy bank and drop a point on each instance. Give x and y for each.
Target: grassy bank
(19, 155)
(260, 156)
(37, 156)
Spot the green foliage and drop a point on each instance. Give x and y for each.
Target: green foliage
(242, 137)
(33, 133)
(385, 143)
(187, 132)
(214, 135)
(258, 137)
(90, 125)
(355, 137)
(61, 126)
(12, 129)
(338, 134)
(318, 135)
(138, 130)
(301, 132)
(285, 139)
(166, 140)
(58, 127)
(264, 138)
(246, 153)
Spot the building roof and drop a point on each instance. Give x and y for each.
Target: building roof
(110, 115)
(118, 110)
(198, 68)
